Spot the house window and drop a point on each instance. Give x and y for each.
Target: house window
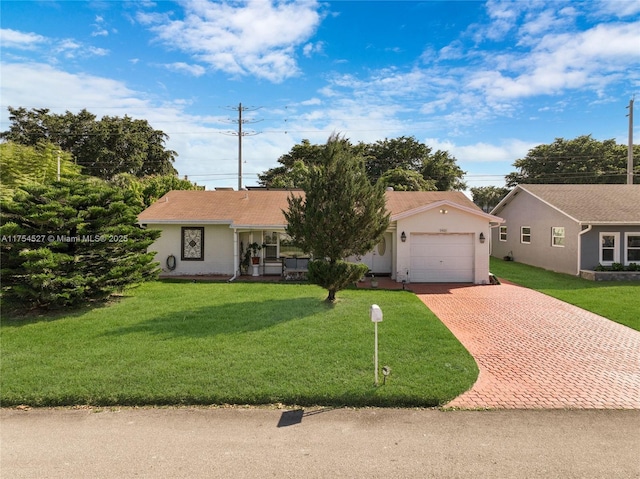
(609, 250)
(503, 233)
(287, 248)
(193, 243)
(632, 248)
(525, 234)
(271, 246)
(557, 236)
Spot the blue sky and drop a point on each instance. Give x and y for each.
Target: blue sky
(485, 81)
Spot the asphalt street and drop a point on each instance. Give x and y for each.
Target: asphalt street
(318, 443)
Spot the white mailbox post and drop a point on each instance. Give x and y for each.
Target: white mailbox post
(375, 313)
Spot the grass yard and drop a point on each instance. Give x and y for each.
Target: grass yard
(217, 343)
(616, 300)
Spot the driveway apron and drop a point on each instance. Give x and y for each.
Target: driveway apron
(537, 352)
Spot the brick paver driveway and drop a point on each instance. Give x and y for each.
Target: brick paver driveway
(535, 351)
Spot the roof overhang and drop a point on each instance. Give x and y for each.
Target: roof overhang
(449, 204)
(152, 221)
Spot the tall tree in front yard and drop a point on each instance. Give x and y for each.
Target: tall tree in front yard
(71, 242)
(341, 214)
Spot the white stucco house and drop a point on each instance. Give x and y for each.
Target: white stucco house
(432, 237)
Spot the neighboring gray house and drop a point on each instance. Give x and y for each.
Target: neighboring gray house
(568, 228)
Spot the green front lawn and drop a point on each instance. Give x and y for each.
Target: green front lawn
(616, 300)
(215, 343)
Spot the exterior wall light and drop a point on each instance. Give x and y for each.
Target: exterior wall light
(443, 211)
(481, 237)
(403, 237)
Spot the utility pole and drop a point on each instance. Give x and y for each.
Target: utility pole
(240, 134)
(630, 146)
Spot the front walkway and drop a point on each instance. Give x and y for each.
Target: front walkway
(536, 352)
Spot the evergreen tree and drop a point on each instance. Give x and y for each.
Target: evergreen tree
(71, 242)
(340, 215)
(22, 165)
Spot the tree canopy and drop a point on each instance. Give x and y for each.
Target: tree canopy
(104, 148)
(150, 188)
(341, 214)
(72, 241)
(488, 197)
(581, 160)
(398, 162)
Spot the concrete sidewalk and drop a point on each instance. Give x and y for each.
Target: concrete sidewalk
(318, 443)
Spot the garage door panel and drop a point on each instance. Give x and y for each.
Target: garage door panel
(442, 258)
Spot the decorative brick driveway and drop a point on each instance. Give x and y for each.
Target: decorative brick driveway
(536, 352)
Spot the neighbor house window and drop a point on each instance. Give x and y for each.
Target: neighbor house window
(557, 236)
(609, 249)
(632, 248)
(525, 234)
(193, 243)
(503, 233)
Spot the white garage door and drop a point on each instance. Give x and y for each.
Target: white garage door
(442, 258)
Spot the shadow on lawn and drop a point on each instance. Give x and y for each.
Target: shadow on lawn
(228, 318)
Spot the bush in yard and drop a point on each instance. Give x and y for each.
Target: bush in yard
(71, 242)
(335, 276)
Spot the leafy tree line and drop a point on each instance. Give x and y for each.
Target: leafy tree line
(581, 160)
(103, 148)
(402, 163)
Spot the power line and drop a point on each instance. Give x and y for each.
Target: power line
(240, 134)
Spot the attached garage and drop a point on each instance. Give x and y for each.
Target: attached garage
(442, 258)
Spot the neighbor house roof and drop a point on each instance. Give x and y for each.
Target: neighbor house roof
(587, 204)
(255, 208)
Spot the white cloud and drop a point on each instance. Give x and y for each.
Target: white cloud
(590, 59)
(43, 86)
(243, 38)
(311, 101)
(15, 39)
(100, 32)
(310, 48)
(207, 156)
(507, 150)
(195, 70)
(619, 8)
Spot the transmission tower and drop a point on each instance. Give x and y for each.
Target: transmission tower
(240, 133)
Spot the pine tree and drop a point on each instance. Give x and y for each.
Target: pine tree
(341, 214)
(71, 242)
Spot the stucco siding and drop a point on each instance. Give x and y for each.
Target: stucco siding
(524, 210)
(590, 254)
(453, 222)
(218, 250)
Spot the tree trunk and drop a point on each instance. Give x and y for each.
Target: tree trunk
(332, 296)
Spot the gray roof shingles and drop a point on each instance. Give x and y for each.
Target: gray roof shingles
(592, 203)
